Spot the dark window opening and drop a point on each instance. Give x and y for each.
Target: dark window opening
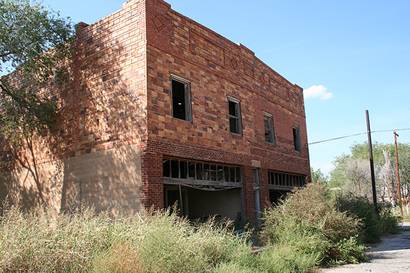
(269, 129)
(220, 173)
(285, 179)
(166, 170)
(191, 170)
(206, 175)
(175, 169)
(232, 174)
(296, 139)
(199, 168)
(184, 169)
(181, 100)
(226, 172)
(234, 117)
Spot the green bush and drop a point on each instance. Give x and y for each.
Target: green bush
(349, 251)
(373, 226)
(309, 225)
(235, 268)
(283, 258)
(388, 222)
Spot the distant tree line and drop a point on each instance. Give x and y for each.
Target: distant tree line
(351, 172)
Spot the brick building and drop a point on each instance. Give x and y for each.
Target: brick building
(162, 109)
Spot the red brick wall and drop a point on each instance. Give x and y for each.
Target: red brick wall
(218, 68)
(117, 110)
(103, 118)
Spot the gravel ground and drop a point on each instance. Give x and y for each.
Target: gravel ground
(392, 255)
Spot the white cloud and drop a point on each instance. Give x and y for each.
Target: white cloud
(317, 91)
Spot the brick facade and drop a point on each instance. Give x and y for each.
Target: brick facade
(118, 119)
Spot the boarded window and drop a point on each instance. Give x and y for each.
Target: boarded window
(296, 139)
(235, 125)
(269, 129)
(181, 99)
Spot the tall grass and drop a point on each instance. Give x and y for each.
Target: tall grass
(309, 229)
(154, 243)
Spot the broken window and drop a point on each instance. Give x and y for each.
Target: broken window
(181, 99)
(191, 170)
(269, 129)
(285, 179)
(199, 168)
(174, 168)
(166, 168)
(235, 125)
(296, 139)
(183, 169)
(220, 173)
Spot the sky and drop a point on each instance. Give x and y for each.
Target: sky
(348, 55)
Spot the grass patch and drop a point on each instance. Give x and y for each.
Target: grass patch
(86, 242)
(309, 229)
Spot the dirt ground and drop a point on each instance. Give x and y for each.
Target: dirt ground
(392, 255)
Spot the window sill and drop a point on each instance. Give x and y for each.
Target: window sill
(236, 135)
(182, 120)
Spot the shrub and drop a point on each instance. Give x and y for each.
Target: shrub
(309, 225)
(388, 222)
(234, 268)
(349, 251)
(283, 258)
(373, 226)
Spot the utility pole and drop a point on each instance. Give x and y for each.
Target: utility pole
(369, 137)
(397, 172)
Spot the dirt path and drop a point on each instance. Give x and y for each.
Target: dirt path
(392, 255)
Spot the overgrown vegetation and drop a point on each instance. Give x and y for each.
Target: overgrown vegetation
(314, 231)
(158, 242)
(373, 225)
(326, 231)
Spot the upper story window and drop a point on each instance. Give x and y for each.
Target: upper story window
(181, 99)
(235, 124)
(296, 139)
(269, 128)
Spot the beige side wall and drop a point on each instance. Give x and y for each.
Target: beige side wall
(106, 180)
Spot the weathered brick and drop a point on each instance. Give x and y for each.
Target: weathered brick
(116, 125)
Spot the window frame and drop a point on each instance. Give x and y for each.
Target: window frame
(269, 116)
(187, 97)
(297, 140)
(238, 118)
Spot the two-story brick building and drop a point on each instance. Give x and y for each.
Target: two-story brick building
(162, 109)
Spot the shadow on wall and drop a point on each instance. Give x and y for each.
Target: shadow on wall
(94, 157)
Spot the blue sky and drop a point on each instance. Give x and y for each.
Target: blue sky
(351, 55)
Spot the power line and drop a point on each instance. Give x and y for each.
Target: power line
(357, 134)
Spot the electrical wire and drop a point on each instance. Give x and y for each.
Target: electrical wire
(357, 134)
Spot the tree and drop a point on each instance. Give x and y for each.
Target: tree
(352, 172)
(34, 47)
(318, 176)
